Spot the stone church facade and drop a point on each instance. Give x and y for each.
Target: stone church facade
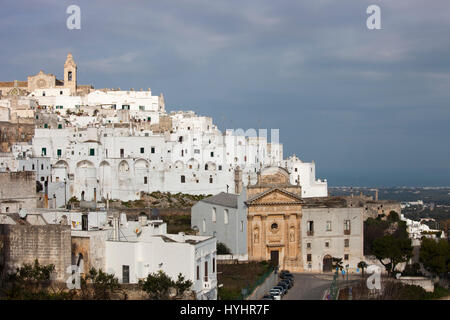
(300, 234)
(274, 220)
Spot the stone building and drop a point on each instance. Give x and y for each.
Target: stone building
(23, 242)
(300, 234)
(17, 191)
(274, 220)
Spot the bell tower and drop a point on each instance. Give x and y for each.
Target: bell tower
(70, 74)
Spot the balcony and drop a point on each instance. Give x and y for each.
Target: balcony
(347, 232)
(310, 232)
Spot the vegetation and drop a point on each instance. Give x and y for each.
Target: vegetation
(362, 265)
(158, 285)
(395, 250)
(222, 248)
(435, 256)
(99, 285)
(337, 263)
(235, 277)
(33, 282)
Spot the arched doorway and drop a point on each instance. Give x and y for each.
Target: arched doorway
(327, 263)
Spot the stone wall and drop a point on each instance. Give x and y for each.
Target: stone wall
(11, 133)
(19, 187)
(50, 244)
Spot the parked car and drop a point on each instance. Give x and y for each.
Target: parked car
(268, 297)
(275, 293)
(284, 285)
(288, 282)
(286, 276)
(282, 289)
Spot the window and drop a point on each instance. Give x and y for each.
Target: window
(198, 272)
(346, 243)
(196, 151)
(142, 150)
(183, 179)
(327, 244)
(212, 154)
(310, 228)
(274, 226)
(149, 119)
(152, 150)
(142, 108)
(59, 126)
(43, 93)
(42, 167)
(347, 227)
(308, 245)
(295, 170)
(122, 152)
(225, 216)
(214, 214)
(145, 180)
(69, 77)
(214, 265)
(45, 125)
(210, 179)
(32, 166)
(309, 257)
(206, 167)
(328, 225)
(92, 152)
(345, 256)
(59, 152)
(206, 270)
(220, 168)
(60, 92)
(242, 226)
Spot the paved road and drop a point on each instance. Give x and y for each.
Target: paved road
(308, 286)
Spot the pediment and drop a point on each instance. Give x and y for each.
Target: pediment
(275, 196)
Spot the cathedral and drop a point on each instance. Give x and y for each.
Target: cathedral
(47, 81)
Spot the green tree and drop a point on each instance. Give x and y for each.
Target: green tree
(435, 256)
(33, 282)
(182, 285)
(222, 248)
(362, 265)
(393, 249)
(337, 263)
(99, 285)
(157, 285)
(393, 216)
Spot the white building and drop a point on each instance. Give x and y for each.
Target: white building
(144, 247)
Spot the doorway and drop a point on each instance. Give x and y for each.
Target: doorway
(327, 263)
(274, 258)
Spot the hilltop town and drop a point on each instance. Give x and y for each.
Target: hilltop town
(91, 179)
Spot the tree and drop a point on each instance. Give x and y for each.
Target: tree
(182, 285)
(393, 216)
(435, 256)
(222, 248)
(393, 249)
(99, 285)
(337, 263)
(362, 265)
(39, 186)
(34, 282)
(157, 285)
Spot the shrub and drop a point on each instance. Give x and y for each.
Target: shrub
(222, 248)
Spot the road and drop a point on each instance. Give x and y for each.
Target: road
(308, 286)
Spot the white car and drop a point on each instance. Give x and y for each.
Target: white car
(276, 293)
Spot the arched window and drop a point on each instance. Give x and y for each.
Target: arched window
(69, 75)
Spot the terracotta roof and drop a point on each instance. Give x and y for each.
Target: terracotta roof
(11, 83)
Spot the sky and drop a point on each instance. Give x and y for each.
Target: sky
(370, 107)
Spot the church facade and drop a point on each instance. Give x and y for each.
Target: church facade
(300, 234)
(274, 220)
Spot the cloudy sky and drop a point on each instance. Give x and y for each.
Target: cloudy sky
(370, 107)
